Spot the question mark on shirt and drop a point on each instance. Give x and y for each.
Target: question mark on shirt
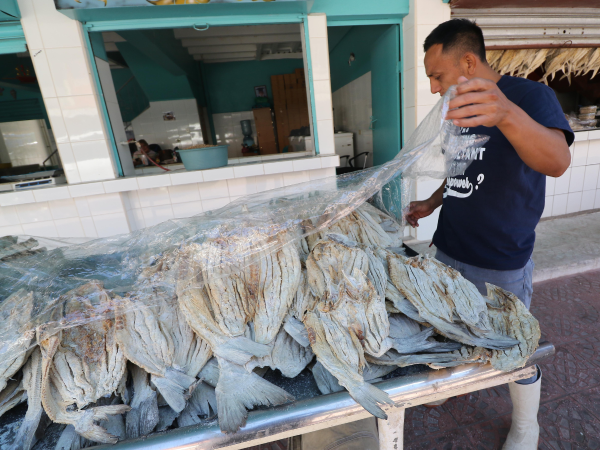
(480, 178)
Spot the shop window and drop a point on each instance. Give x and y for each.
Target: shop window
(28, 152)
(240, 86)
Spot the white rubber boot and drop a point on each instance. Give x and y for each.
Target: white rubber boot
(524, 432)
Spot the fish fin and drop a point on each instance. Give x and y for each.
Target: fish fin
(297, 330)
(240, 350)
(173, 387)
(85, 423)
(368, 396)
(142, 419)
(239, 390)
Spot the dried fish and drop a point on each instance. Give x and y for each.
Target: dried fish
(447, 301)
(279, 275)
(82, 365)
(409, 337)
(203, 402)
(508, 315)
(330, 257)
(173, 354)
(346, 373)
(32, 385)
(237, 389)
(287, 355)
(13, 394)
(328, 384)
(143, 417)
(15, 317)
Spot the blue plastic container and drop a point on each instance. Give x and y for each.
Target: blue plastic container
(204, 157)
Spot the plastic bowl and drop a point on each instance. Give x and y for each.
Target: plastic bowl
(203, 158)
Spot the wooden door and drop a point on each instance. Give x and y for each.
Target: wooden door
(265, 130)
(290, 104)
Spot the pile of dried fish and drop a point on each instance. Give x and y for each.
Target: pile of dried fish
(193, 336)
(569, 61)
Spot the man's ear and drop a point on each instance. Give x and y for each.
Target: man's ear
(469, 63)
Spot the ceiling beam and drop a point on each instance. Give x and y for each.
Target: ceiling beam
(212, 56)
(236, 40)
(214, 61)
(185, 33)
(222, 49)
(281, 56)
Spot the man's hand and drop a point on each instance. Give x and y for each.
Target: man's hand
(478, 102)
(418, 210)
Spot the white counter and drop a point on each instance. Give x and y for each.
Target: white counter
(106, 208)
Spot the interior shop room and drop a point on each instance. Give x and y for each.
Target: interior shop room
(366, 86)
(28, 152)
(242, 88)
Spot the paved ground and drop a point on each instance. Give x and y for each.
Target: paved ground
(569, 313)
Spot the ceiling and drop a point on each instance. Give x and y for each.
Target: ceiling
(227, 44)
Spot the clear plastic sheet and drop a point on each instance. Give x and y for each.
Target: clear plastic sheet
(36, 290)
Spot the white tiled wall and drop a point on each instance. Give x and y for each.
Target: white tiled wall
(182, 132)
(25, 142)
(353, 108)
(59, 55)
(319, 57)
(423, 17)
(229, 130)
(128, 204)
(578, 189)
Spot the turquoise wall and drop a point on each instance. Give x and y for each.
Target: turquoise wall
(231, 85)
(358, 40)
(131, 97)
(157, 83)
(29, 104)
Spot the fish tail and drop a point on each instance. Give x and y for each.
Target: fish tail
(240, 350)
(141, 420)
(369, 397)
(239, 390)
(174, 387)
(25, 438)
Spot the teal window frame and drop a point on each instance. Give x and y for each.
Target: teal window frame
(190, 22)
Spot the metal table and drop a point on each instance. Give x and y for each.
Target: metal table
(325, 411)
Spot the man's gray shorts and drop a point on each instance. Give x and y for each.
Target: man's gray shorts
(519, 281)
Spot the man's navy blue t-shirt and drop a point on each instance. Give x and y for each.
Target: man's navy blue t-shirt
(489, 214)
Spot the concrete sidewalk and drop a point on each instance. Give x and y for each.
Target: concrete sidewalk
(564, 246)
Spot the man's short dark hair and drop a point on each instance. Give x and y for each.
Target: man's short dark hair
(460, 35)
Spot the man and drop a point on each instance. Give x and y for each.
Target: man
(486, 227)
(143, 150)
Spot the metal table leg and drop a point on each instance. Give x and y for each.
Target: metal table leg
(391, 431)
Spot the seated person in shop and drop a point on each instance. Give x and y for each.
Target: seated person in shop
(143, 149)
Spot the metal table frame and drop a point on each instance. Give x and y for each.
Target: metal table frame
(330, 410)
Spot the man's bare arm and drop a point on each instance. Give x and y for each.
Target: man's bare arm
(419, 209)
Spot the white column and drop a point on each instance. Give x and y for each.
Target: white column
(423, 17)
(58, 50)
(319, 58)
